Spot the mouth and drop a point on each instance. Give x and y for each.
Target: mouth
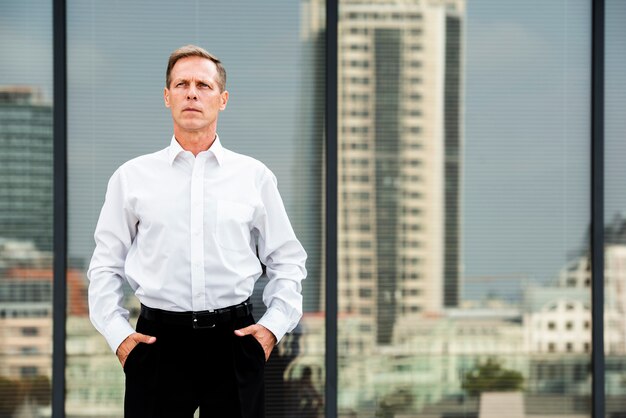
(191, 109)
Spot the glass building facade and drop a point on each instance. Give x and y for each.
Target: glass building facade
(447, 199)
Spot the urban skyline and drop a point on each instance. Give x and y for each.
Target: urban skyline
(402, 346)
(487, 72)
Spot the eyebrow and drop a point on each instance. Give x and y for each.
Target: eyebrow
(185, 80)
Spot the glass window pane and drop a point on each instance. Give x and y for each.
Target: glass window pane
(26, 208)
(463, 208)
(615, 209)
(273, 53)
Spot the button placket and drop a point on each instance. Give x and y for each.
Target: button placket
(197, 235)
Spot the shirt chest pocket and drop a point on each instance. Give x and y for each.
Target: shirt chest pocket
(233, 225)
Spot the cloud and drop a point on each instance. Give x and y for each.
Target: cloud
(495, 48)
(26, 53)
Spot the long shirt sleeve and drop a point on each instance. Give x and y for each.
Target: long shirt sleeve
(115, 232)
(284, 259)
(184, 233)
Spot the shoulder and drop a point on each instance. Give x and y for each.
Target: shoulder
(140, 169)
(249, 165)
(144, 162)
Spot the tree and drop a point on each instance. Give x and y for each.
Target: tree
(490, 376)
(38, 390)
(11, 396)
(35, 390)
(399, 401)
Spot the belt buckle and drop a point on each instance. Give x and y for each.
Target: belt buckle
(203, 320)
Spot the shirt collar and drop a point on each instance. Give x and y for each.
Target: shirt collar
(175, 149)
(218, 150)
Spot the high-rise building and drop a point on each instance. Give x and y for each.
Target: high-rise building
(400, 141)
(26, 308)
(25, 311)
(26, 166)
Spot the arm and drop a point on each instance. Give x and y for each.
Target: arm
(115, 232)
(284, 258)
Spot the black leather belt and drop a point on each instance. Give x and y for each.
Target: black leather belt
(201, 319)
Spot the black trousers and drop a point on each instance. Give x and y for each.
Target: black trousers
(187, 368)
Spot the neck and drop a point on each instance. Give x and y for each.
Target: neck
(195, 142)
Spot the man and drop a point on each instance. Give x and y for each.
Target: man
(186, 228)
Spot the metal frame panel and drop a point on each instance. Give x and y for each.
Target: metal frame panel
(597, 209)
(332, 15)
(60, 208)
(59, 286)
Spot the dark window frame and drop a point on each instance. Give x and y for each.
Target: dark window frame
(597, 209)
(59, 283)
(60, 206)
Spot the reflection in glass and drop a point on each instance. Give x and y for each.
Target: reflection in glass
(25, 208)
(615, 210)
(463, 270)
(117, 54)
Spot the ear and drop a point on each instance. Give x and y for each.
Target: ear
(224, 98)
(166, 97)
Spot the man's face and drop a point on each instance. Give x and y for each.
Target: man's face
(194, 96)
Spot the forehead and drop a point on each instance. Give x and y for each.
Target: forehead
(194, 67)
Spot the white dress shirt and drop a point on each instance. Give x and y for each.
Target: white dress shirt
(184, 232)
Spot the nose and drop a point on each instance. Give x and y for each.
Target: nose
(192, 94)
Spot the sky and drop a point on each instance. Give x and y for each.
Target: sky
(526, 153)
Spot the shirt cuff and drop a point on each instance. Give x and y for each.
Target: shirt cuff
(117, 331)
(276, 322)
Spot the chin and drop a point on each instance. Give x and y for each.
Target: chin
(188, 125)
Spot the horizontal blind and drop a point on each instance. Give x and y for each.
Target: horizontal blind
(117, 56)
(463, 208)
(26, 208)
(615, 208)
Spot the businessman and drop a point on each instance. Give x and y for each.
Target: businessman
(188, 228)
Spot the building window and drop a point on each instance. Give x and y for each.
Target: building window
(29, 351)
(29, 371)
(30, 331)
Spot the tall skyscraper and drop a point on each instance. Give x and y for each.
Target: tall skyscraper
(399, 159)
(25, 166)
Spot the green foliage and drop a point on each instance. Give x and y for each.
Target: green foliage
(14, 392)
(38, 389)
(11, 396)
(398, 401)
(490, 376)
